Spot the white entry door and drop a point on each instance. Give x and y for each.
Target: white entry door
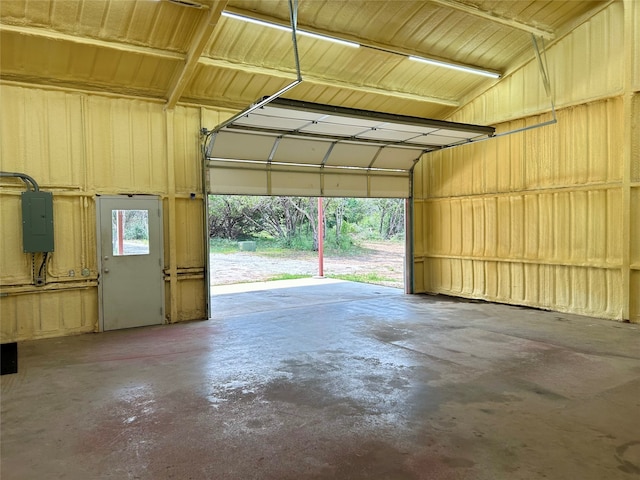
(131, 258)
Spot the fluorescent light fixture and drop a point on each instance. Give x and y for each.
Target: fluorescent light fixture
(453, 66)
(255, 21)
(288, 29)
(339, 41)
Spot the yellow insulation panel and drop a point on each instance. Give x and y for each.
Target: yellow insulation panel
(635, 136)
(634, 296)
(190, 297)
(635, 13)
(555, 287)
(569, 228)
(191, 300)
(542, 217)
(15, 266)
(80, 145)
(532, 218)
(584, 147)
(186, 144)
(127, 145)
(49, 313)
(41, 135)
(189, 233)
(635, 227)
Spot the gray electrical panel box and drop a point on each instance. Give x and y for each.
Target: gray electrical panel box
(37, 222)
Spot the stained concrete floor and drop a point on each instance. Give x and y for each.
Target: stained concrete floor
(331, 381)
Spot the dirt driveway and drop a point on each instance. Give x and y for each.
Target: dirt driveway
(385, 259)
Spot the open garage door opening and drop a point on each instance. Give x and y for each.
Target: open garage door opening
(299, 151)
(270, 238)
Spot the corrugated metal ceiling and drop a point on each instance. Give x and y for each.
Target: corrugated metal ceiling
(159, 49)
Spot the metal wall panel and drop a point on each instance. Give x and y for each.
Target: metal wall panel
(634, 294)
(36, 127)
(186, 145)
(635, 14)
(635, 134)
(538, 218)
(127, 145)
(190, 297)
(48, 313)
(16, 266)
(584, 148)
(189, 233)
(551, 239)
(568, 228)
(78, 146)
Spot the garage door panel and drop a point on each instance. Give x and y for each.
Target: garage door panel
(234, 181)
(293, 183)
(345, 185)
(352, 155)
(288, 147)
(389, 187)
(297, 150)
(242, 146)
(396, 158)
(388, 135)
(333, 129)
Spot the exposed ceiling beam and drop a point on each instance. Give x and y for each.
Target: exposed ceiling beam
(405, 52)
(200, 40)
(325, 82)
(122, 47)
(494, 17)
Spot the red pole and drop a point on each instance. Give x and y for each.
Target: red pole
(120, 232)
(320, 239)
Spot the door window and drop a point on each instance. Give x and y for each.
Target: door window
(130, 232)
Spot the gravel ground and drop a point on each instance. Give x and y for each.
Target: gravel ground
(383, 258)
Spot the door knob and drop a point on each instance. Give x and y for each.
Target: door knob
(106, 270)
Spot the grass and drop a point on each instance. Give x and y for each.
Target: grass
(274, 248)
(362, 277)
(263, 246)
(286, 276)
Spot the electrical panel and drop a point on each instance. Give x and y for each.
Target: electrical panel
(37, 221)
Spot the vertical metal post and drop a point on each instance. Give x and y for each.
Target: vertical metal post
(320, 238)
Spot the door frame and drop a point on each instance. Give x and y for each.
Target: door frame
(99, 248)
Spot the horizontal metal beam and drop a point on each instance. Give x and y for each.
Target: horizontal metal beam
(122, 47)
(381, 116)
(494, 17)
(325, 82)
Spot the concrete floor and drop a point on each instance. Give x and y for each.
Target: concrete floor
(336, 380)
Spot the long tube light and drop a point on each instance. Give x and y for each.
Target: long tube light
(288, 29)
(437, 63)
(453, 66)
